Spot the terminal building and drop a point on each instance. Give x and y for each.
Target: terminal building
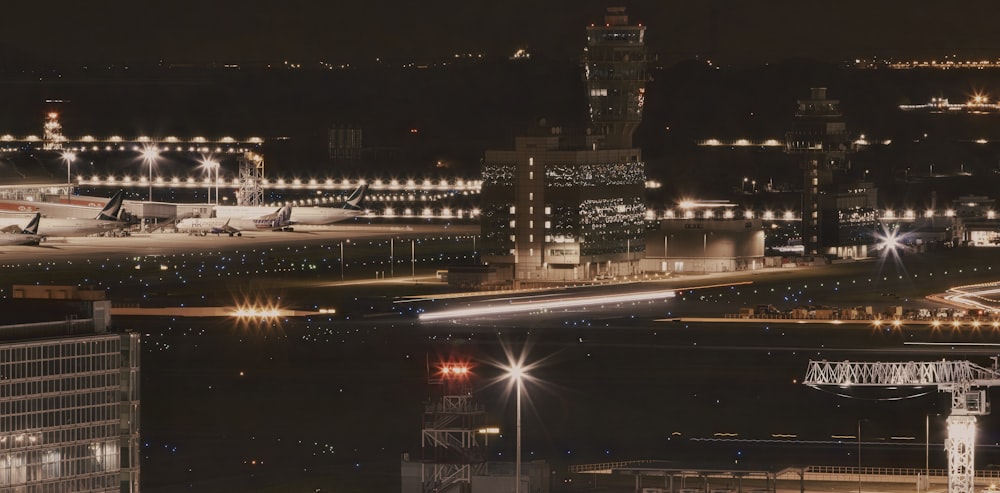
(69, 394)
(562, 207)
(701, 245)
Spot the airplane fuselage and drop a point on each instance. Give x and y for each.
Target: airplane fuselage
(62, 227)
(300, 215)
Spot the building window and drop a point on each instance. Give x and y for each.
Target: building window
(531, 209)
(531, 195)
(531, 175)
(531, 238)
(531, 224)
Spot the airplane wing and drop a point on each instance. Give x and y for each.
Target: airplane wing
(13, 228)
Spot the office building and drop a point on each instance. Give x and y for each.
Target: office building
(69, 394)
(561, 206)
(819, 141)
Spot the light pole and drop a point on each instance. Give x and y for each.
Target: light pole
(217, 166)
(69, 157)
(927, 449)
(392, 260)
(342, 260)
(413, 260)
(859, 456)
(517, 374)
(149, 156)
(211, 165)
(704, 261)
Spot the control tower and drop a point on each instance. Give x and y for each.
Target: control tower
(615, 72)
(819, 141)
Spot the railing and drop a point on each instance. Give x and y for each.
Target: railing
(846, 472)
(600, 467)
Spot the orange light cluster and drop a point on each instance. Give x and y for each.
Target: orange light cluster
(454, 371)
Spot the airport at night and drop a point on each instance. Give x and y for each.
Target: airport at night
(630, 248)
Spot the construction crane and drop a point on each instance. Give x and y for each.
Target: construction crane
(967, 383)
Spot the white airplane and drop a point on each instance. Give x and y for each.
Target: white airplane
(106, 220)
(303, 215)
(12, 235)
(202, 226)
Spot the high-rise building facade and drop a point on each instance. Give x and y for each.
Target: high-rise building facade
(819, 141)
(615, 73)
(69, 404)
(572, 207)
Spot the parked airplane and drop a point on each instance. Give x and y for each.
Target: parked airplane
(235, 226)
(106, 220)
(314, 215)
(13, 235)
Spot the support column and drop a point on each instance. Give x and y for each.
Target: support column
(961, 447)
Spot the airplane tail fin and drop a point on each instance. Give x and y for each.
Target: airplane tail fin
(353, 202)
(113, 209)
(32, 227)
(285, 216)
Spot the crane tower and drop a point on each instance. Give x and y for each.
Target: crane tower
(967, 383)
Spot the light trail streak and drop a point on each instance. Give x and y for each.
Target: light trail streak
(529, 306)
(975, 295)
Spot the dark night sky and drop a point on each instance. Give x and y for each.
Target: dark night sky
(336, 31)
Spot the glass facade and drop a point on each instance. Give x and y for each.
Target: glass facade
(69, 410)
(497, 232)
(594, 175)
(499, 175)
(856, 226)
(613, 225)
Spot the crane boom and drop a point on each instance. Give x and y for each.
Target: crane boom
(944, 374)
(965, 381)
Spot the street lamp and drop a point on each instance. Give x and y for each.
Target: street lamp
(704, 261)
(149, 156)
(517, 374)
(342, 260)
(211, 164)
(68, 157)
(859, 452)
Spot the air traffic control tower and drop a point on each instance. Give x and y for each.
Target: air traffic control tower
(567, 207)
(615, 72)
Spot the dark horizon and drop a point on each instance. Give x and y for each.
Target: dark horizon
(224, 31)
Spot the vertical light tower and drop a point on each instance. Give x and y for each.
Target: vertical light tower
(251, 190)
(53, 138)
(450, 447)
(615, 71)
